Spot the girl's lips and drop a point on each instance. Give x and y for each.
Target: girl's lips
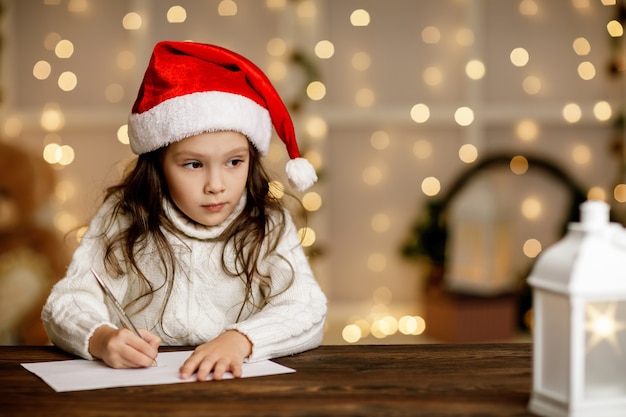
(214, 207)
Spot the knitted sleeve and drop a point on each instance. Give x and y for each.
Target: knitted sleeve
(293, 320)
(75, 307)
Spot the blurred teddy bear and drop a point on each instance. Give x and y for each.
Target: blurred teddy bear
(32, 256)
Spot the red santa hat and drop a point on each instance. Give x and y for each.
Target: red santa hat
(191, 88)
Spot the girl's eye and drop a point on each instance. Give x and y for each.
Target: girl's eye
(234, 162)
(192, 165)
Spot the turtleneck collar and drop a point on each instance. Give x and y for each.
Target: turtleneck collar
(197, 231)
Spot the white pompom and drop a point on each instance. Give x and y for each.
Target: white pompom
(300, 173)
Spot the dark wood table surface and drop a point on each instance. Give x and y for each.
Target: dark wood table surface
(357, 380)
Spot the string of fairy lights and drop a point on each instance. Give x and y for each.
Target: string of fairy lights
(379, 322)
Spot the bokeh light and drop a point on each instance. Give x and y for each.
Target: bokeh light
(360, 17)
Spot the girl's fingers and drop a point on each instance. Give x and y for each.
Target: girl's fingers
(152, 339)
(190, 366)
(204, 370)
(206, 366)
(127, 350)
(236, 370)
(219, 369)
(225, 353)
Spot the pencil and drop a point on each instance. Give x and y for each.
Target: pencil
(118, 307)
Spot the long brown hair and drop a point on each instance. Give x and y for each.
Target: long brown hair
(139, 197)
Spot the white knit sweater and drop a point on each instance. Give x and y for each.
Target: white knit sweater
(204, 301)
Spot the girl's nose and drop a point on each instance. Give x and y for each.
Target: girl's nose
(214, 183)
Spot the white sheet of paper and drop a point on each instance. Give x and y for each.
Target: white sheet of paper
(81, 374)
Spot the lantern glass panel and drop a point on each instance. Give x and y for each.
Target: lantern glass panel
(605, 349)
(554, 335)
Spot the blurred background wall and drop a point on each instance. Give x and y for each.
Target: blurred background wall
(395, 102)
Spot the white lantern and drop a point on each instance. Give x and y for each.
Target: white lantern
(579, 325)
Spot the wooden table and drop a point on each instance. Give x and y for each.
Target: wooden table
(357, 380)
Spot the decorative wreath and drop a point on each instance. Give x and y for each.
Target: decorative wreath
(428, 236)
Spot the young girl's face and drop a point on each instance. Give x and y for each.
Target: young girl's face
(206, 174)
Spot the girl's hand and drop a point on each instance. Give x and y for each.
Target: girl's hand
(121, 348)
(223, 354)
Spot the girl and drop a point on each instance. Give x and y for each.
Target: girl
(191, 242)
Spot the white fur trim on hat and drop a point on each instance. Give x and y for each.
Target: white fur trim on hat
(300, 173)
(196, 113)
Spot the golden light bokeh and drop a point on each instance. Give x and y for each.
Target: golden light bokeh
(581, 46)
(420, 113)
(132, 21)
(312, 201)
(64, 49)
(468, 153)
(176, 14)
(475, 69)
(380, 222)
(432, 76)
(519, 165)
(361, 61)
(422, 149)
(372, 175)
(307, 236)
(360, 17)
(431, 35)
(531, 85)
(380, 140)
(365, 97)
(532, 248)
(602, 111)
(572, 112)
(227, 8)
(464, 116)
(519, 57)
(615, 29)
(316, 90)
(581, 154)
(527, 130)
(276, 47)
(324, 49)
(42, 70)
(431, 186)
(531, 208)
